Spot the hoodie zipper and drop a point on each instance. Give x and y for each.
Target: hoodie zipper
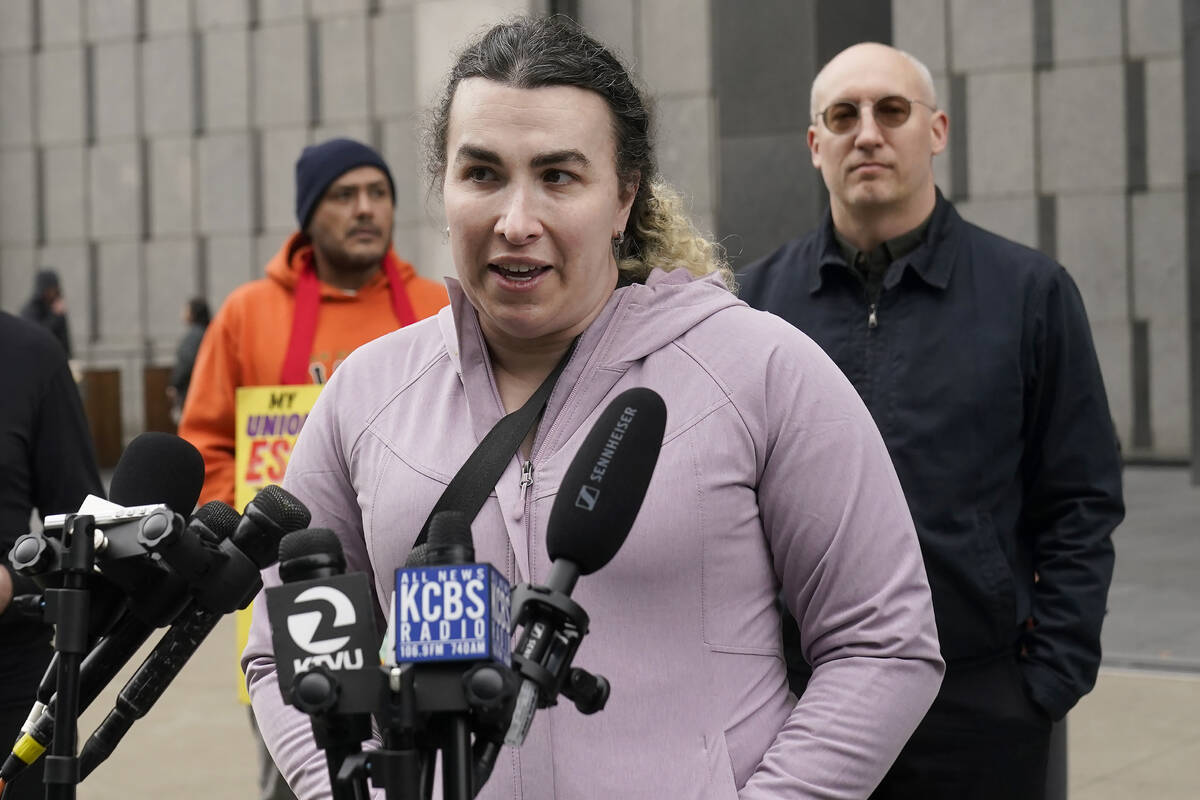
(526, 477)
(873, 317)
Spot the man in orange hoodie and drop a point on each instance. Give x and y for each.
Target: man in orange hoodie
(335, 284)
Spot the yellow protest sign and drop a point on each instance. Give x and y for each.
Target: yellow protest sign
(269, 419)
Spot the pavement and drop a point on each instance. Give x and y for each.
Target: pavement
(1137, 735)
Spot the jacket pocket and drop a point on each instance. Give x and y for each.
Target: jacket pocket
(974, 592)
(721, 784)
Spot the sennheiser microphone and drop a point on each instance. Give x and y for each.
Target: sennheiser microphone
(267, 518)
(326, 645)
(597, 503)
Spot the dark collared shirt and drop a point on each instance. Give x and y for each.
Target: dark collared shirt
(872, 265)
(977, 364)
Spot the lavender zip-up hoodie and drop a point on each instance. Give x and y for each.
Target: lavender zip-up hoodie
(772, 478)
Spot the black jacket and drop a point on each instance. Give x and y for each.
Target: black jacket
(46, 461)
(979, 369)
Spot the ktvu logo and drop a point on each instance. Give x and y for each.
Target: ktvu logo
(311, 631)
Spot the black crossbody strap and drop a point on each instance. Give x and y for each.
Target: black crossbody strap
(469, 488)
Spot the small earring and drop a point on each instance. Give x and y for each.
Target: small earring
(446, 234)
(618, 239)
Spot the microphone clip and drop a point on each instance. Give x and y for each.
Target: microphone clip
(555, 625)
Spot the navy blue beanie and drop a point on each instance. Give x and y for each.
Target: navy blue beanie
(321, 164)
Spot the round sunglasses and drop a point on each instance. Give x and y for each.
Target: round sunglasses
(890, 112)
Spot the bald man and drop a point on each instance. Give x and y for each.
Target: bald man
(975, 358)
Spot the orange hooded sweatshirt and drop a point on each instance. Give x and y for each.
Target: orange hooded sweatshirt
(246, 343)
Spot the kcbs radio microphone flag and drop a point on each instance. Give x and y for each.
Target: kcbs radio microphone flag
(452, 612)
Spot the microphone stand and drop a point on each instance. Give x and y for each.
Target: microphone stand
(67, 608)
(440, 706)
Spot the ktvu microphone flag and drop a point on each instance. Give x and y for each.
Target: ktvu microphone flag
(452, 612)
(326, 622)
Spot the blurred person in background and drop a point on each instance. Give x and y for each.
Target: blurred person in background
(47, 463)
(335, 284)
(48, 308)
(975, 358)
(196, 317)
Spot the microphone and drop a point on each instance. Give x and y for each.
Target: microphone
(152, 468)
(159, 468)
(597, 503)
(326, 646)
(322, 618)
(452, 636)
(217, 521)
(267, 518)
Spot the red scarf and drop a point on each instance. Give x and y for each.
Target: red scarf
(308, 306)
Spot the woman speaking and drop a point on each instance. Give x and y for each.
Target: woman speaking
(772, 481)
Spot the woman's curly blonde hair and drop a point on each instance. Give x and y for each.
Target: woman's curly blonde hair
(663, 237)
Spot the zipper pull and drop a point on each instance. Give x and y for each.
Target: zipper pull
(526, 476)
(872, 318)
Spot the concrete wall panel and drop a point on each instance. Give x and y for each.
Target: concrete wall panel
(60, 96)
(121, 290)
(281, 74)
(224, 169)
(343, 68)
(1155, 27)
(16, 89)
(280, 149)
(115, 196)
(112, 19)
(676, 49)
(1000, 122)
(231, 262)
(1091, 245)
(116, 87)
(16, 276)
(1012, 217)
(1083, 128)
(65, 193)
(1086, 30)
(18, 202)
(227, 79)
(392, 71)
(221, 13)
(168, 16)
(61, 21)
(170, 282)
(168, 105)
(985, 34)
(919, 28)
(1164, 123)
(172, 187)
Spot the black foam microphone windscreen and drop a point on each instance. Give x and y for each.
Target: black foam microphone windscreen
(603, 488)
(158, 468)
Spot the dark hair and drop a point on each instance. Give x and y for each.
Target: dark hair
(198, 311)
(532, 52)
